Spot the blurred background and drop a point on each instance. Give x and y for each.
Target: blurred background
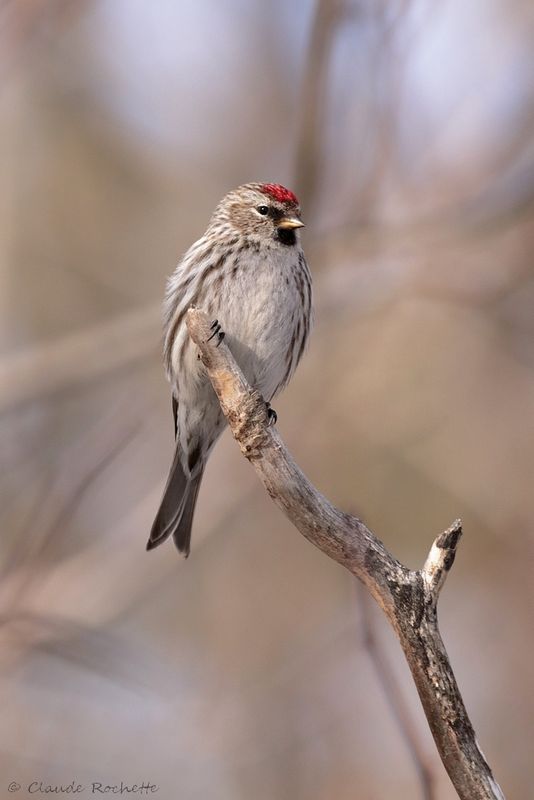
(256, 669)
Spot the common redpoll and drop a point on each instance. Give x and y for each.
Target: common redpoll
(249, 274)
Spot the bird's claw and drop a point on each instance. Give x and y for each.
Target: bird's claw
(216, 328)
(272, 416)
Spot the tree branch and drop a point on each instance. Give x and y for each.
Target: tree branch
(394, 698)
(407, 597)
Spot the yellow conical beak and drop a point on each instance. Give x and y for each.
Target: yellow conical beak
(288, 223)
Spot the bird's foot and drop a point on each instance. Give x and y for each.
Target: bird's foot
(272, 416)
(216, 328)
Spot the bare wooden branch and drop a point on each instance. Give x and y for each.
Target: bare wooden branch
(407, 597)
(394, 698)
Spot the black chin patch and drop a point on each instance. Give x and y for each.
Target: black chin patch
(286, 236)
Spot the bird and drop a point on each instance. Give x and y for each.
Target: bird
(248, 272)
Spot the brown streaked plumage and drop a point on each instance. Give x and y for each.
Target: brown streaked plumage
(248, 272)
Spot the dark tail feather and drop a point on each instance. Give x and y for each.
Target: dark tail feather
(182, 532)
(175, 514)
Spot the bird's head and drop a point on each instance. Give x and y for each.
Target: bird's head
(265, 211)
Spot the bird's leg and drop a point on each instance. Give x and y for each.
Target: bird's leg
(216, 328)
(272, 416)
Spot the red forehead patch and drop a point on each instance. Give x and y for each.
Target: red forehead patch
(279, 193)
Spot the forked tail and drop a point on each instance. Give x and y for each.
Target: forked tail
(175, 514)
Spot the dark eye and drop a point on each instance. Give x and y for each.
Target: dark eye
(264, 210)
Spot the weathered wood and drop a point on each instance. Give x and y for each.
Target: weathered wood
(408, 597)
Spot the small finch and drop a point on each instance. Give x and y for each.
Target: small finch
(249, 274)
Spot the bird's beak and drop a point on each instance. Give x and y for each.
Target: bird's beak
(288, 223)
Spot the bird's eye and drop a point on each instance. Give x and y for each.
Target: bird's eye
(263, 210)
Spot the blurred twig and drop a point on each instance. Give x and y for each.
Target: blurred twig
(85, 472)
(25, 23)
(328, 15)
(409, 598)
(78, 357)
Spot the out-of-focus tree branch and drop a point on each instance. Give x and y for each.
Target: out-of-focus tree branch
(310, 136)
(408, 597)
(79, 357)
(22, 25)
(82, 473)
